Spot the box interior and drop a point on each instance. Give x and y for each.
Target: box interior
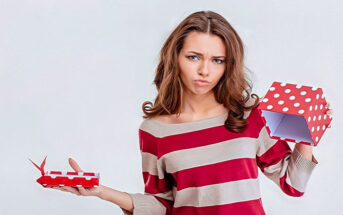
(287, 126)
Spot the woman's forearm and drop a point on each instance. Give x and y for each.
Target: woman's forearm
(121, 199)
(305, 150)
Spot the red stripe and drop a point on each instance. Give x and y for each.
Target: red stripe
(273, 155)
(253, 207)
(147, 142)
(167, 204)
(288, 189)
(226, 171)
(155, 185)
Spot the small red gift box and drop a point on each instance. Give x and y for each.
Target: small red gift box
(61, 178)
(295, 113)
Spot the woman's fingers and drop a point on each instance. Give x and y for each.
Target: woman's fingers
(329, 111)
(71, 189)
(57, 188)
(88, 191)
(67, 189)
(61, 189)
(83, 191)
(74, 165)
(91, 191)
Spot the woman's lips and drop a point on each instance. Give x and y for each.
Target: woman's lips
(201, 83)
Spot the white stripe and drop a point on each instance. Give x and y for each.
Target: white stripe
(218, 194)
(149, 163)
(237, 148)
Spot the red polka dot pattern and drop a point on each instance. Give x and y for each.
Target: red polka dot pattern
(308, 102)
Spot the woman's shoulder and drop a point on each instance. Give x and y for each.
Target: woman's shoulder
(154, 127)
(153, 124)
(149, 122)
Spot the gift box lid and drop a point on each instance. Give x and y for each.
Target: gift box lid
(64, 178)
(295, 113)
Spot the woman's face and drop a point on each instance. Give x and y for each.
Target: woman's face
(202, 57)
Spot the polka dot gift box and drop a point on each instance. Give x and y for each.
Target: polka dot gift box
(295, 113)
(60, 178)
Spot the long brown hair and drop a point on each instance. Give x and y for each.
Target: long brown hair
(232, 90)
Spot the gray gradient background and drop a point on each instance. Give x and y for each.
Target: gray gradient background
(73, 76)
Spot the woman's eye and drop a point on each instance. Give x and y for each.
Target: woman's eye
(219, 61)
(191, 57)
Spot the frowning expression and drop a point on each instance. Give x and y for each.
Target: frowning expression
(202, 62)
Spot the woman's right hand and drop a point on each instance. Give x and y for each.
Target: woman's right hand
(80, 191)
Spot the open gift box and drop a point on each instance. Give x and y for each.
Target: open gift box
(295, 113)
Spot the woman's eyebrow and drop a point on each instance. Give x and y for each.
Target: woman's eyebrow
(202, 54)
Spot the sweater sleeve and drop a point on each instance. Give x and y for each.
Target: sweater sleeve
(290, 170)
(158, 195)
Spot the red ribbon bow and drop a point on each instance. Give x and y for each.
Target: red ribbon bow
(41, 168)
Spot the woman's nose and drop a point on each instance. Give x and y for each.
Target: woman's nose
(204, 70)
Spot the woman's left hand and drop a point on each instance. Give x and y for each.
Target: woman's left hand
(80, 191)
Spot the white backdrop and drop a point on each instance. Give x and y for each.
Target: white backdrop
(74, 74)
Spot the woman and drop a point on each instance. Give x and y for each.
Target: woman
(203, 140)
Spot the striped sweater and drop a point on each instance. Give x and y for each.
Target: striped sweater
(200, 167)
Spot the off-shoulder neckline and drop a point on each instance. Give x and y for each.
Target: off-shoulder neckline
(200, 121)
